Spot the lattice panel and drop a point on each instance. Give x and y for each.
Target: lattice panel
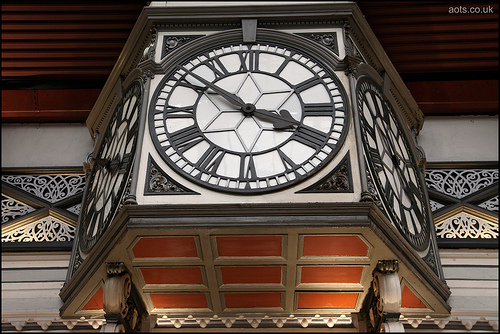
(465, 225)
(28, 204)
(12, 208)
(460, 183)
(48, 229)
(51, 188)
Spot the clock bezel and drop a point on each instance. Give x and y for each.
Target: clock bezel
(118, 104)
(422, 240)
(327, 59)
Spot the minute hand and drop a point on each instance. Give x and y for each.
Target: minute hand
(232, 98)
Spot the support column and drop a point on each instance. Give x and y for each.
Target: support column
(382, 305)
(124, 310)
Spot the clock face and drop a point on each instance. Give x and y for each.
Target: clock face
(392, 165)
(248, 118)
(111, 169)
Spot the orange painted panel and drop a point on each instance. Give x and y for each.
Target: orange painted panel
(334, 245)
(165, 247)
(96, 302)
(260, 245)
(331, 274)
(252, 299)
(408, 299)
(179, 300)
(172, 275)
(251, 275)
(315, 300)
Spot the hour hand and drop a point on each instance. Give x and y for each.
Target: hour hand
(230, 97)
(280, 120)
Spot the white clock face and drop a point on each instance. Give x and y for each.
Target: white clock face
(248, 118)
(394, 169)
(111, 170)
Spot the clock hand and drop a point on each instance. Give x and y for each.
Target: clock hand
(230, 97)
(280, 120)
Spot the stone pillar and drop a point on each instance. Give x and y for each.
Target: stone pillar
(124, 311)
(381, 307)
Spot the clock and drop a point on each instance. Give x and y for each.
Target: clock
(111, 169)
(248, 118)
(393, 166)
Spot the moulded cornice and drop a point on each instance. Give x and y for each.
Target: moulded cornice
(210, 17)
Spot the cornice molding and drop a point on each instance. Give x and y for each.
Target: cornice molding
(220, 17)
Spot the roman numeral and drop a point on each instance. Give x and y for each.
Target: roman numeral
(249, 60)
(310, 136)
(287, 162)
(376, 159)
(306, 84)
(216, 66)
(211, 159)
(171, 112)
(247, 168)
(318, 109)
(185, 138)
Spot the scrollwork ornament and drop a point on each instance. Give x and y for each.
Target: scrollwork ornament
(51, 188)
(435, 205)
(387, 266)
(464, 226)
(149, 51)
(75, 209)
(48, 229)
(147, 74)
(430, 259)
(491, 204)
(373, 192)
(160, 184)
(77, 262)
(338, 181)
(172, 42)
(460, 183)
(328, 40)
(349, 48)
(12, 208)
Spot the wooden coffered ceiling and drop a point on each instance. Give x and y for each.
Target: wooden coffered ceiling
(56, 56)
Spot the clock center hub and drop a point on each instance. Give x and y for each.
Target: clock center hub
(248, 109)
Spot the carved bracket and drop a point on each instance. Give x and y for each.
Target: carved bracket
(124, 312)
(381, 307)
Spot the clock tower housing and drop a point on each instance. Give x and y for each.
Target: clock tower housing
(255, 158)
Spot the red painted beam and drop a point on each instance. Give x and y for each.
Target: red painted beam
(48, 105)
(463, 97)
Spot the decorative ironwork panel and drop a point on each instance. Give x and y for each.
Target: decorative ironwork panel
(12, 209)
(160, 183)
(338, 180)
(460, 183)
(48, 229)
(171, 43)
(51, 188)
(326, 39)
(491, 204)
(464, 225)
(436, 205)
(75, 209)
